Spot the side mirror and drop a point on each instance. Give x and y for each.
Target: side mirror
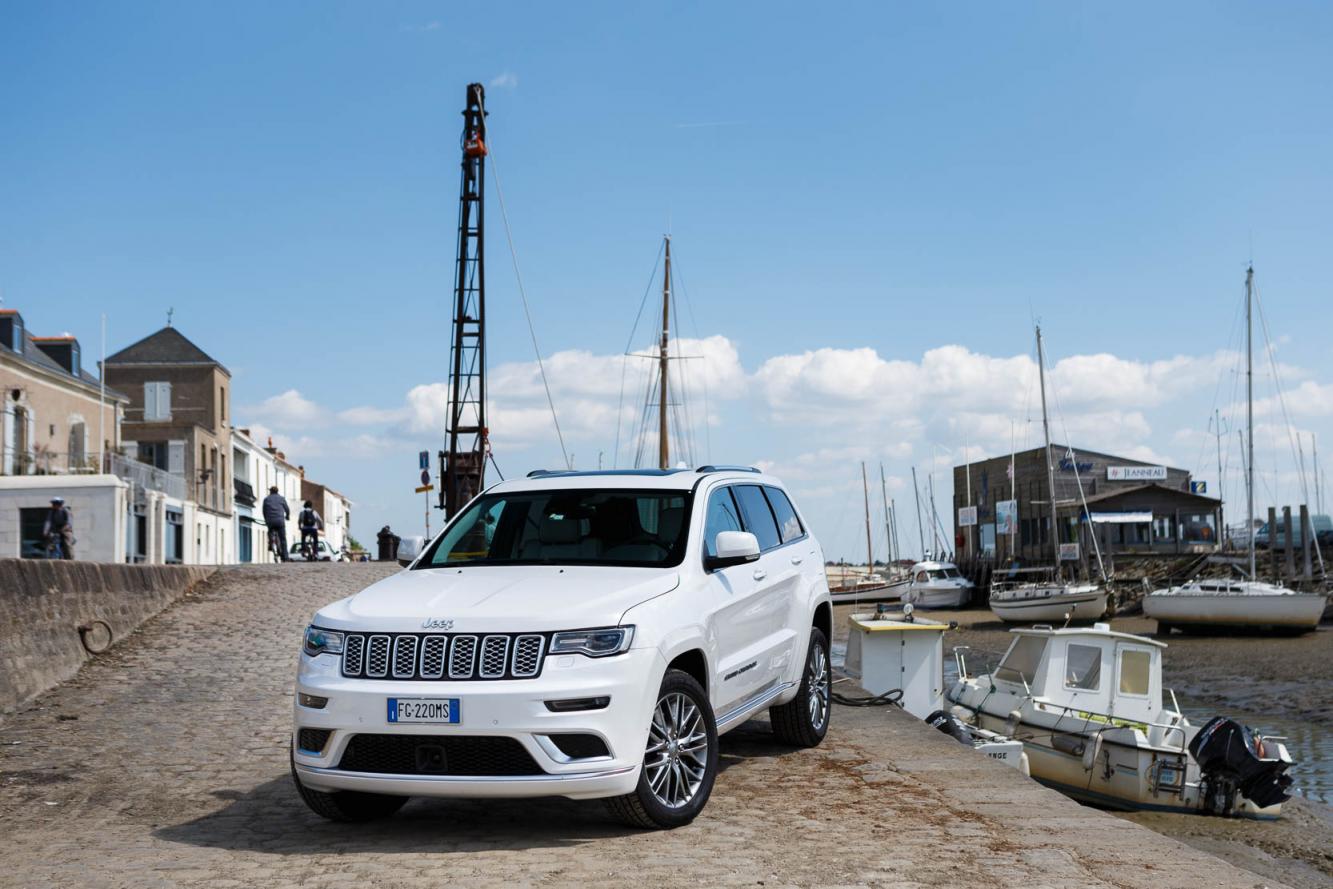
(733, 548)
(409, 548)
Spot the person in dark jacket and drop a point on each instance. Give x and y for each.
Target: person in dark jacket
(276, 514)
(60, 525)
(311, 524)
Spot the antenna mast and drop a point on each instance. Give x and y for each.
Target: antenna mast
(1249, 412)
(463, 463)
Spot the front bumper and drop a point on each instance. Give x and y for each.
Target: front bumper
(514, 708)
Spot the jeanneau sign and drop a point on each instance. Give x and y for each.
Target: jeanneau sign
(1135, 473)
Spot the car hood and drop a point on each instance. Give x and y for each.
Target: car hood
(498, 598)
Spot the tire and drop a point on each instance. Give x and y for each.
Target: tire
(686, 770)
(803, 721)
(347, 805)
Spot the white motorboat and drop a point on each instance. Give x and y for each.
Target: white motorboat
(1087, 705)
(1049, 602)
(938, 585)
(1234, 603)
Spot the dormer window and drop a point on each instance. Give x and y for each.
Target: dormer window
(11, 331)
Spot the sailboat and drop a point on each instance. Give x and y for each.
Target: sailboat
(1055, 601)
(1251, 603)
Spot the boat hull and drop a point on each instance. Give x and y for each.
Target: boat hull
(1083, 606)
(1298, 611)
(938, 597)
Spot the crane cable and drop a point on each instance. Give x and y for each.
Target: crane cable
(513, 253)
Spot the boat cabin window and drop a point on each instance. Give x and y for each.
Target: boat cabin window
(921, 577)
(1083, 667)
(1134, 672)
(1020, 664)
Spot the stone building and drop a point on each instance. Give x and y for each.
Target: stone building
(178, 423)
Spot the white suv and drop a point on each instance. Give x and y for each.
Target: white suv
(577, 634)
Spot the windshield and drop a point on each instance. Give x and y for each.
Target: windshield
(566, 527)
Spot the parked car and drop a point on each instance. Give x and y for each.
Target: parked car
(326, 553)
(577, 634)
(1321, 524)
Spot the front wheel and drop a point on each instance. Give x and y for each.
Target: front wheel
(803, 721)
(347, 805)
(679, 761)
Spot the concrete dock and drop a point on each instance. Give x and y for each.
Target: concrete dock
(164, 763)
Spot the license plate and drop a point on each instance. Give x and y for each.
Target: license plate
(440, 711)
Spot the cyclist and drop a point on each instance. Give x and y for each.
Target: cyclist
(311, 524)
(58, 530)
(276, 514)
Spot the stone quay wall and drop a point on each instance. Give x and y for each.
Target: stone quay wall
(43, 604)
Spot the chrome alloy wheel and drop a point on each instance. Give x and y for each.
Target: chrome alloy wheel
(676, 758)
(817, 680)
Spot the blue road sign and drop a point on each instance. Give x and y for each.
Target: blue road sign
(425, 476)
(424, 457)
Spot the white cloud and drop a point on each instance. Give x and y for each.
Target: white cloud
(506, 80)
(287, 410)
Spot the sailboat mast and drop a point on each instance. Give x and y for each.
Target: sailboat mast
(1249, 412)
(920, 532)
(663, 362)
(888, 524)
(1050, 466)
(870, 549)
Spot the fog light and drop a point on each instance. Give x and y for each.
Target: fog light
(571, 705)
(314, 702)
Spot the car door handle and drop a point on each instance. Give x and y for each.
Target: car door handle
(796, 560)
(760, 574)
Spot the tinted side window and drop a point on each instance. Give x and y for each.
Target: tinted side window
(758, 517)
(722, 516)
(789, 526)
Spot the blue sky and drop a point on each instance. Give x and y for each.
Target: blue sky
(849, 196)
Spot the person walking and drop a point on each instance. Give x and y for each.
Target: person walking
(311, 524)
(58, 530)
(276, 514)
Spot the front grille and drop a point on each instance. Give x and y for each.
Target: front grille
(580, 746)
(421, 755)
(312, 740)
(421, 656)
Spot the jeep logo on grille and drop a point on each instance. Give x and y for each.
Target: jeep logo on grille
(437, 624)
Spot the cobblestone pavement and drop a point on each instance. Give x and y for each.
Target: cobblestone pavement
(164, 763)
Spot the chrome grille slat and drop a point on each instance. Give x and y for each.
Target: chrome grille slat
(354, 649)
(494, 657)
(527, 656)
(404, 657)
(433, 649)
(461, 656)
(440, 656)
(377, 657)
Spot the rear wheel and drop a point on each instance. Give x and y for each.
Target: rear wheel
(803, 721)
(347, 805)
(679, 761)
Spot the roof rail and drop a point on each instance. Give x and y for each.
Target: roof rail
(538, 473)
(722, 467)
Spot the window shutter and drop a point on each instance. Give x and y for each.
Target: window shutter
(164, 400)
(150, 401)
(176, 457)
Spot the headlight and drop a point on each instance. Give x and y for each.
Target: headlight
(593, 643)
(319, 641)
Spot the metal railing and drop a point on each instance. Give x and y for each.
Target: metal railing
(44, 462)
(146, 476)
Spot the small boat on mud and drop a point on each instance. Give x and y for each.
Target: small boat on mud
(1222, 604)
(1087, 704)
(937, 585)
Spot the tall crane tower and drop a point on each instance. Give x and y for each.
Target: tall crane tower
(463, 464)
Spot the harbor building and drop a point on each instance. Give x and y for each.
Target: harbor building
(1002, 507)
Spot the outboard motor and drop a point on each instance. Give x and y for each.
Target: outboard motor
(951, 725)
(1232, 758)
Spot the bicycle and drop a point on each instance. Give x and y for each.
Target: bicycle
(310, 548)
(55, 547)
(277, 544)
